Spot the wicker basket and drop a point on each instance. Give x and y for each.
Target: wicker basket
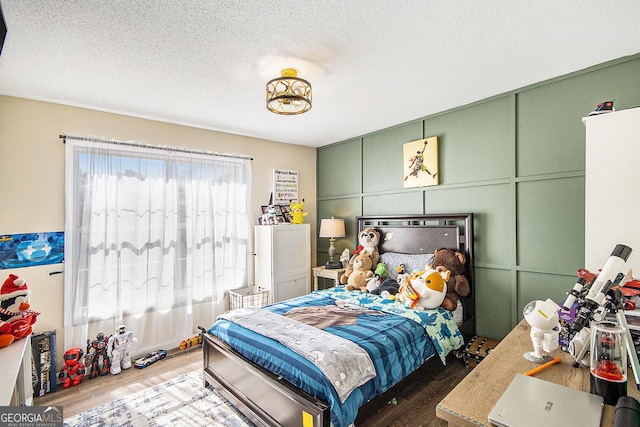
(252, 296)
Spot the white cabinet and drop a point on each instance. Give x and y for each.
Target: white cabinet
(283, 260)
(15, 371)
(612, 210)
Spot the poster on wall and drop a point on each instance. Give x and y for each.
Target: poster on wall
(421, 162)
(29, 249)
(285, 187)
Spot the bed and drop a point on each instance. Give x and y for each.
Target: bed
(276, 386)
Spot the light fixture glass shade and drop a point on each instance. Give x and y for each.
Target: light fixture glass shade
(332, 228)
(288, 94)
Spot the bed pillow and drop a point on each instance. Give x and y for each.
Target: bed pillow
(412, 262)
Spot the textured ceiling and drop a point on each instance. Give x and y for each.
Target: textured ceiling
(372, 63)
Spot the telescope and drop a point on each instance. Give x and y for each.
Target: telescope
(599, 298)
(599, 289)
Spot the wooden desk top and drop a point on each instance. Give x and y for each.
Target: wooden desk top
(471, 401)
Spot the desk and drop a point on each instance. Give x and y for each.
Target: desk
(327, 274)
(473, 398)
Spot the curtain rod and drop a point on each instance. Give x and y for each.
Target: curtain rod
(155, 147)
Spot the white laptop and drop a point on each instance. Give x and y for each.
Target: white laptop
(530, 401)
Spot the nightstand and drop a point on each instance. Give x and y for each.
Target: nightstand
(327, 274)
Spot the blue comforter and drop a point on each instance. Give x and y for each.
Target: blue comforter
(394, 336)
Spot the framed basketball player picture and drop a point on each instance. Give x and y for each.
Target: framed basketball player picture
(420, 163)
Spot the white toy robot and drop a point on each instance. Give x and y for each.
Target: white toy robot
(544, 321)
(119, 349)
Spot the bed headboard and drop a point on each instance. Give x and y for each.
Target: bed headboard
(422, 234)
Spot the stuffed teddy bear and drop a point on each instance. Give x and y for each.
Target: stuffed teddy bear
(361, 272)
(424, 289)
(16, 316)
(457, 285)
(368, 240)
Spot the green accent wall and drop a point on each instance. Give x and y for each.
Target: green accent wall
(516, 161)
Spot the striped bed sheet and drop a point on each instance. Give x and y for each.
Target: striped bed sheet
(395, 338)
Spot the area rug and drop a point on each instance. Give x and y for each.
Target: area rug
(179, 402)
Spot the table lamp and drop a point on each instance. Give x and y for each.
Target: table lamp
(332, 228)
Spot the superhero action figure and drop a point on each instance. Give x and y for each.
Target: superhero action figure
(97, 350)
(73, 368)
(119, 349)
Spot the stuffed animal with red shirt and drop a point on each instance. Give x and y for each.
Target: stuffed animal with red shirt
(368, 240)
(16, 316)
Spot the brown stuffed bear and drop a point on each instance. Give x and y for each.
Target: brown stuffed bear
(368, 240)
(360, 274)
(457, 285)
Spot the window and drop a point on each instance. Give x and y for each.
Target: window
(153, 237)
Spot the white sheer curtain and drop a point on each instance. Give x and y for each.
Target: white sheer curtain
(153, 239)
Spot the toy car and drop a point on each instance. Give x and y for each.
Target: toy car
(150, 358)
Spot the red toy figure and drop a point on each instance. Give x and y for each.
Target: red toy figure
(16, 316)
(73, 368)
(95, 350)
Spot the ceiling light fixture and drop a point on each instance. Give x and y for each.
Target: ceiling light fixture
(288, 94)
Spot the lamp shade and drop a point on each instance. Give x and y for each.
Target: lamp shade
(332, 228)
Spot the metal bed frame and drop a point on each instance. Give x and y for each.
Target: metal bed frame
(269, 400)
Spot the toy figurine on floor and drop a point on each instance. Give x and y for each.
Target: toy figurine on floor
(119, 349)
(73, 369)
(97, 359)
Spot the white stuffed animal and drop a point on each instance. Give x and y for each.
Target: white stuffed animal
(344, 257)
(424, 289)
(373, 283)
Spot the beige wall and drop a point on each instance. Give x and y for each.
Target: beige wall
(32, 176)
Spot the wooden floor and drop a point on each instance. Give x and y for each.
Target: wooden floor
(415, 399)
(96, 391)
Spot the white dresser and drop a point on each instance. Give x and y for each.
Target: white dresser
(283, 260)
